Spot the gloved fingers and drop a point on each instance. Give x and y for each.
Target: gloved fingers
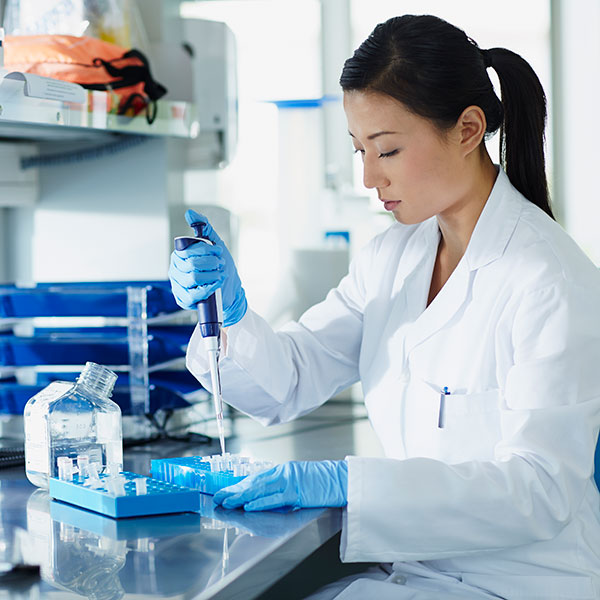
(188, 297)
(199, 250)
(196, 271)
(232, 490)
(183, 299)
(279, 500)
(234, 501)
(253, 487)
(234, 496)
(194, 278)
(198, 280)
(191, 216)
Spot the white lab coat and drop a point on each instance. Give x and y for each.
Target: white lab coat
(501, 497)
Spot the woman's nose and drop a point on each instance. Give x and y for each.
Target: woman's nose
(373, 176)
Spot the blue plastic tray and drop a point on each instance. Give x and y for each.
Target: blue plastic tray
(161, 498)
(93, 299)
(192, 472)
(75, 349)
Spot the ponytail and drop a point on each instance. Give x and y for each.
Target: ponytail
(522, 129)
(436, 71)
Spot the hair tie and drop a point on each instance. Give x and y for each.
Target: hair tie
(487, 58)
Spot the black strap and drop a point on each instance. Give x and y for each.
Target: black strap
(133, 74)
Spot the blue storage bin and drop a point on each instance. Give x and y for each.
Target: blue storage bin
(107, 345)
(70, 347)
(93, 299)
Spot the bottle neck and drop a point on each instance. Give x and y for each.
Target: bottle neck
(97, 379)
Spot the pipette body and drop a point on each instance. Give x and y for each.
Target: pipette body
(210, 321)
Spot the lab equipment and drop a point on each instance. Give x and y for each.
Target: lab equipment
(121, 496)
(210, 319)
(73, 421)
(295, 484)
(208, 474)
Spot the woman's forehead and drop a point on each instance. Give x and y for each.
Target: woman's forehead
(370, 113)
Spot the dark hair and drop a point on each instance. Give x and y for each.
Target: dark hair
(436, 71)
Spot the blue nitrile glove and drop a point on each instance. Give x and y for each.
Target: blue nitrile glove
(200, 269)
(292, 484)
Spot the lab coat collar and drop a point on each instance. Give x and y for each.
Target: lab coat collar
(490, 237)
(495, 225)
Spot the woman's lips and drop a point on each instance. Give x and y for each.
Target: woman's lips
(390, 204)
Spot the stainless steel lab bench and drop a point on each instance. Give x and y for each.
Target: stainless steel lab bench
(214, 554)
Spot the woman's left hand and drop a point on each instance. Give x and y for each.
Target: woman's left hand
(293, 484)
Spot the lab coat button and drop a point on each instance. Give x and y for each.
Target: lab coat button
(405, 375)
(397, 578)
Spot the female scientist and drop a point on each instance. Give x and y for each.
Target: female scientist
(473, 324)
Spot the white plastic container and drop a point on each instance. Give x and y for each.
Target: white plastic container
(73, 419)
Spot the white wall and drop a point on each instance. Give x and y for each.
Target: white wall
(576, 87)
(98, 220)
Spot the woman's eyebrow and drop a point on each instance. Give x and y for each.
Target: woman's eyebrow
(376, 135)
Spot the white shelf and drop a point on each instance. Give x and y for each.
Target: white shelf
(25, 117)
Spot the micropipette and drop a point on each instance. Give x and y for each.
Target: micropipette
(210, 320)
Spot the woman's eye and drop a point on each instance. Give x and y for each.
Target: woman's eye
(382, 155)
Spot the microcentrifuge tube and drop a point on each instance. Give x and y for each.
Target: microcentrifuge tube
(83, 460)
(92, 471)
(140, 486)
(65, 468)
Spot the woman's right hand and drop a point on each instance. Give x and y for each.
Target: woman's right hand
(199, 270)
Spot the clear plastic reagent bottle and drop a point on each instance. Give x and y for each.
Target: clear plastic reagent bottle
(67, 419)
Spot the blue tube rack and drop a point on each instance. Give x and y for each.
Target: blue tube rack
(193, 472)
(160, 498)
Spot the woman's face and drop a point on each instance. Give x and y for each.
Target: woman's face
(418, 172)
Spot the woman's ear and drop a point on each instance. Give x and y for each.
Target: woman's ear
(470, 129)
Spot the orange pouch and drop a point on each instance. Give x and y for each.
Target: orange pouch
(92, 63)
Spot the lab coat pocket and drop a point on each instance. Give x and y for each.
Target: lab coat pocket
(534, 587)
(469, 425)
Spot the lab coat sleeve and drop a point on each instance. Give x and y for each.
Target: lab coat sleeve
(277, 376)
(422, 509)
